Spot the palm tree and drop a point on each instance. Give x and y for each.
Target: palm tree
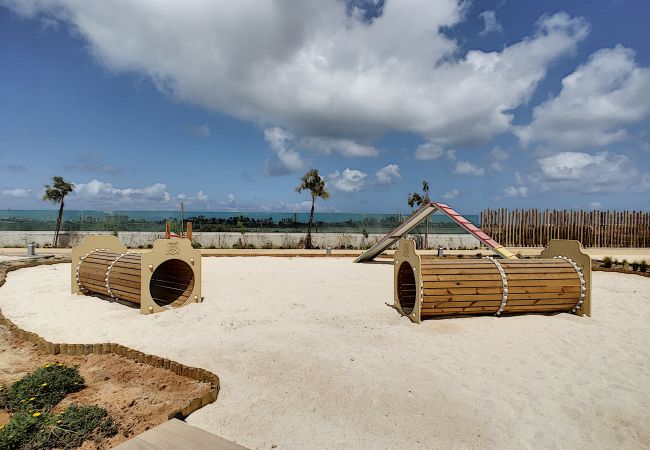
(313, 182)
(56, 193)
(419, 200)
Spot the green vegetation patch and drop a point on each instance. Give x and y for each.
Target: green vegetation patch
(68, 429)
(34, 426)
(42, 389)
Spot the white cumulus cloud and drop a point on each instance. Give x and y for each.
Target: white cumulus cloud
(467, 168)
(451, 194)
(350, 180)
(585, 172)
(16, 192)
(287, 159)
(200, 197)
(345, 147)
(428, 151)
(597, 101)
(388, 174)
(515, 191)
(314, 69)
(102, 194)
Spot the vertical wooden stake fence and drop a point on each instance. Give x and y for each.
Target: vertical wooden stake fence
(535, 228)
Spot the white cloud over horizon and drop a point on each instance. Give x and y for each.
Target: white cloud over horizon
(16, 192)
(597, 101)
(314, 70)
(350, 180)
(581, 172)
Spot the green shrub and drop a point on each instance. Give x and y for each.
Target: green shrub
(625, 264)
(20, 430)
(73, 426)
(643, 267)
(68, 429)
(607, 262)
(196, 244)
(635, 266)
(44, 388)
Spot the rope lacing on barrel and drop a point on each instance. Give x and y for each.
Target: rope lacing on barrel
(504, 295)
(108, 275)
(583, 284)
(81, 288)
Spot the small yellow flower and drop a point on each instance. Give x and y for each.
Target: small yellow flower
(36, 414)
(44, 384)
(59, 421)
(47, 365)
(32, 399)
(59, 364)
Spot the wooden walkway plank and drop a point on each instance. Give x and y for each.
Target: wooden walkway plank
(177, 435)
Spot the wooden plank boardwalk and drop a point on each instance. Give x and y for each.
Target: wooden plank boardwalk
(176, 434)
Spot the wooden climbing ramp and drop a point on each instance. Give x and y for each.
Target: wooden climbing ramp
(418, 217)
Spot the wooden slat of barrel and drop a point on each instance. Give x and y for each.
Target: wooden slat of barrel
(124, 277)
(460, 287)
(537, 288)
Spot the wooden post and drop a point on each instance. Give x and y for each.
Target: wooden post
(167, 230)
(188, 234)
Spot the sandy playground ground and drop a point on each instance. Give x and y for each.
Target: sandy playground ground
(309, 356)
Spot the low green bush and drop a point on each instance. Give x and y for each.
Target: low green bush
(20, 430)
(607, 262)
(643, 266)
(196, 244)
(635, 266)
(67, 430)
(43, 389)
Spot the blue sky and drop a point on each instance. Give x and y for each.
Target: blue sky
(223, 105)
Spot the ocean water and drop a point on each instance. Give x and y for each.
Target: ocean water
(91, 220)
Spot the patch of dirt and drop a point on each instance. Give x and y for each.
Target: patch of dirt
(137, 396)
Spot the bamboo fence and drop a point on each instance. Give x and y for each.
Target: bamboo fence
(535, 228)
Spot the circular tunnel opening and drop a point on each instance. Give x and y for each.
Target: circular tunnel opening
(172, 283)
(406, 288)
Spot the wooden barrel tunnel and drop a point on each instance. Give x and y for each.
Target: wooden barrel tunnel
(167, 276)
(560, 281)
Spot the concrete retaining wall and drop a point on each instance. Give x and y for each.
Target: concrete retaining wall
(136, 239)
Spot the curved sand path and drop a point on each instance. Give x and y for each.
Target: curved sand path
(309, 356)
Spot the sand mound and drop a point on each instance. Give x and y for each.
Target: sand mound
(309, 356)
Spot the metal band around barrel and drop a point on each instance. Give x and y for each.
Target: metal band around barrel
(583, 284)
(504, 280)
(108, 275)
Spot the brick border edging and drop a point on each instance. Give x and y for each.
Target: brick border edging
(108, 348)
